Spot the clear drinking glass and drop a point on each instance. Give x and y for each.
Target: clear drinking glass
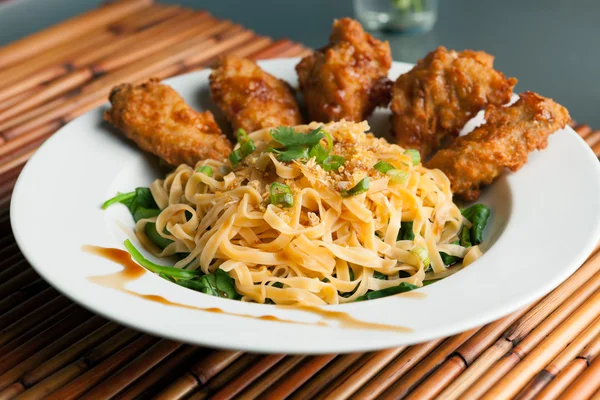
(410, 16)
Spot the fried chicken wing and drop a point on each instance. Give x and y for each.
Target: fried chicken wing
(441, 93)
(158, 120)
(346, 79)
(504, 141)
(251, 98)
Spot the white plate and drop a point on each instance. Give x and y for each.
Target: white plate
(545, 221)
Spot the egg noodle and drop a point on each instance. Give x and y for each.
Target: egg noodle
(324, 247)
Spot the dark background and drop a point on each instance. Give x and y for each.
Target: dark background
(551, 46)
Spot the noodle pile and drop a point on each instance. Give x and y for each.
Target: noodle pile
(325, 248)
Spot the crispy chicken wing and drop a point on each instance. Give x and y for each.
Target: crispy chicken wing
(441, 93)
(346, 79)
(158, 120)
(251, 98)
(504, 141)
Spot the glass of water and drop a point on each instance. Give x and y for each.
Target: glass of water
(410, 16)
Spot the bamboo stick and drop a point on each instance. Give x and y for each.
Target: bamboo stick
(40, 347)
(69, 354)
(524, 328)
(592, 138)
(396, 369)
(583, 130)
(430, 388)
(67, 57)
(81, 378)
(241, 381)
(135, 72)
(366, 371)
(179, 389)
(49, 65)
(133, 370)
(445, 377)
(349, 370)
(596, 147)
(28, 321)
(559, 384)
(214, 363)
(270, 377)
(42, 326)
(587, 383)
(423, 369)
(526, 324)
(22, 294)
(162, 36)
(518, 376)
(9, 250)
(219, 381)
(568, 374)
(17, 162)
(41, 133)
(307, 370)
(297, 50)
(17, 281)
(561, 361)
(62, 32)
(12, 391)
(273, 51)
(174, 366)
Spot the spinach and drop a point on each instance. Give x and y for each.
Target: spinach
(158, 269)
(376, 294)
(218, 284)
(153, 235)
(465, 237)
(478, 215)
(379, 275)
(448, 259)
(406, 231)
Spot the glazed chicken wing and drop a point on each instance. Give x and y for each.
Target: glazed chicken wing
(504, 141)
(441, 93)
(251, 98)
(158, 120)
(346, 79)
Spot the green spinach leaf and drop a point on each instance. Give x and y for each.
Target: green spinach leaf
(376, 294)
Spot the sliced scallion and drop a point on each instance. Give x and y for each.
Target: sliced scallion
(397, 175)
(333, 163)
(281, 195)
(206, 170)
(357, 189)
(383, 166)
(246, 148)
(414, 156)
(422, 254)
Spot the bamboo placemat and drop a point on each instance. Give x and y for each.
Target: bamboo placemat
(52, 348)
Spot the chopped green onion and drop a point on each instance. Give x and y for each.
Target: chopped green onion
(397, 175)
(206, 170)
(333, 163)
(422, 254)
(414, 156)
(118, 198)
(359, 188)
(281, 195)
(329, 139)
(383, 166)
(158, 269)
(246, 148)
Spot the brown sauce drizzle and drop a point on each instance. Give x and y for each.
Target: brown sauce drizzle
(132, 271)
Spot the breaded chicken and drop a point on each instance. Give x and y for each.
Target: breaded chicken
(346, 79)
(504, 141)
(158, 120)
(251, 98)
(441, 93)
